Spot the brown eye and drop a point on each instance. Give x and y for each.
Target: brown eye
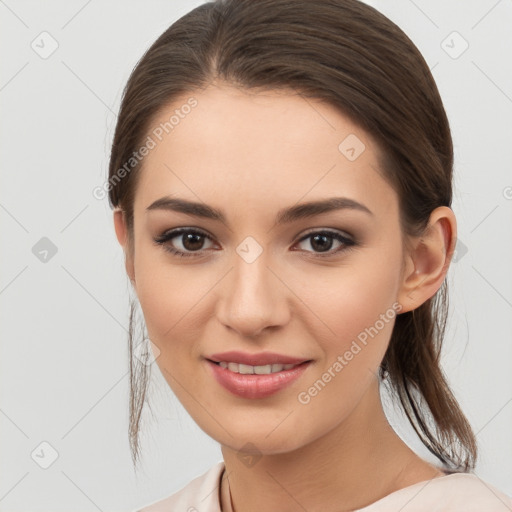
(192, 241)
(323, 241)
(183, 241)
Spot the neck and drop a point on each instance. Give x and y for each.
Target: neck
(355, 464)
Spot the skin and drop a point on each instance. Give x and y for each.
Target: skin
(251, 155)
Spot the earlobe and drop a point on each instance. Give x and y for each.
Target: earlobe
(428, 259)
(122, 237)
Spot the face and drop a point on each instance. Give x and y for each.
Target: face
(319, 286)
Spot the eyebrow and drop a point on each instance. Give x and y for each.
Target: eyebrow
(284, 216)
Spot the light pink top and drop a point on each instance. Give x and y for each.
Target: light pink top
(457, 492)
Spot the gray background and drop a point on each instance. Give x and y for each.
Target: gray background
(64, 368)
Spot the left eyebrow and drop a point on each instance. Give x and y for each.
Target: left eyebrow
(312, 208)
(284, 216)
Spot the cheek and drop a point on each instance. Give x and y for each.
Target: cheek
(170, 296)
(360, 312)
(170, 299)
(354, 298)
(368, 300)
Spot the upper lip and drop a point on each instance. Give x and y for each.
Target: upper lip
(263, 358)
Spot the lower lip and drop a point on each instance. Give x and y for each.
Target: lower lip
(255, 385)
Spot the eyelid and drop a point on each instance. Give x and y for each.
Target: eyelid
(333, 231)
(187, 229)
(183, 229)
(175, 232)
(347, 240)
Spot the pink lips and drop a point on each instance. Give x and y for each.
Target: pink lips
(255, 385)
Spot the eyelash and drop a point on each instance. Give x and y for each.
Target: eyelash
(165, 237)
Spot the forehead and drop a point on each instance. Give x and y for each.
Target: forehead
(275, 146)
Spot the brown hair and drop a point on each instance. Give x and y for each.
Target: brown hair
(346, 53)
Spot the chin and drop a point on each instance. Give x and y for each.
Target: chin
(269, 437)
(259, 445)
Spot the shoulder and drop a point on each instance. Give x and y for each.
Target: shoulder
(457, 492)
(200, 495)
(468, 492)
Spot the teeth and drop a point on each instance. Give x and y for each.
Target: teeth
(246, 369)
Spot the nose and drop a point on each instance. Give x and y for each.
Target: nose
(253, 298)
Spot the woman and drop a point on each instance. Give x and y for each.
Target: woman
(281, 177)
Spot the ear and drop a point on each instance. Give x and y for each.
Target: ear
(427, 259)
(122, 237)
